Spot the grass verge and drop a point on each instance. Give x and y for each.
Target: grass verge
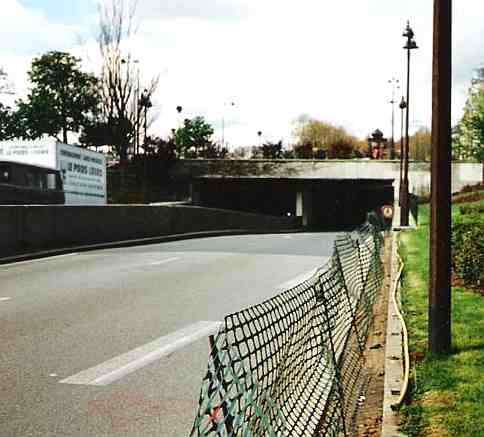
(447, 392)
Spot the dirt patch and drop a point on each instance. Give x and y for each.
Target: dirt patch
(435, 430)
(438, 399)
(370, 413)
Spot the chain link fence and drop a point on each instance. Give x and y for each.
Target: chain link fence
(293, 365)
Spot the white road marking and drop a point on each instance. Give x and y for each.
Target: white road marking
(117, 367)
(50, 258)
(157, 263)
(4, 299)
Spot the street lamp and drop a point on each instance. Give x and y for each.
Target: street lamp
(402, 106)
(136, 111)
(410, 45)
(259, 134)
(393, 82)
(179, 122)
(135, 114)
(223, 122)
(145, 102)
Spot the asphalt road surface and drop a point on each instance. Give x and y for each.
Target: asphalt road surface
(114, 342)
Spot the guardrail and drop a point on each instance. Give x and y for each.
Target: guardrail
(293, 365)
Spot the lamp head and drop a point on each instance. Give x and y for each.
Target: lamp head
(408, 32)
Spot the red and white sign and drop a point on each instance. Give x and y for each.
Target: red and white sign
(387, 211)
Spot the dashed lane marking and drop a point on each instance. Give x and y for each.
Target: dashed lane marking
(122, 365)
(165, 261)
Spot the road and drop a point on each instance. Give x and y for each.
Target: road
(72, 328)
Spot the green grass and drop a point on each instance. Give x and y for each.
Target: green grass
(447, 392)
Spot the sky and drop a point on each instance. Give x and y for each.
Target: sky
(274, 59)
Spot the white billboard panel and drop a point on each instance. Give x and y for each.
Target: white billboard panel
(84, 175)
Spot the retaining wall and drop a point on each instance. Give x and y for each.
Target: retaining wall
(463, 173)
(31, 228)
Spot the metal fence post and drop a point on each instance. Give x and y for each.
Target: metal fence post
(329, 329)
(228, 419)
(347, 294)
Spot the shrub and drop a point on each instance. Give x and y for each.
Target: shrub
(341, 149)
(468, 249)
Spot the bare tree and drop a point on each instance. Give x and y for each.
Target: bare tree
(120, 87)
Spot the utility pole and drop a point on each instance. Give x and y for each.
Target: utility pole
(439, 338)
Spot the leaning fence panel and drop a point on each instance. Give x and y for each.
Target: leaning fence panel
(293, 365)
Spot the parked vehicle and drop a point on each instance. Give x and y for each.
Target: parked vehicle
(83, 171)
(25, 184)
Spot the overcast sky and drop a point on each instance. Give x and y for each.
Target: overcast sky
(275, 59)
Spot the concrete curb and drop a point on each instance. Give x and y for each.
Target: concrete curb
(393, 357)
(140, 242)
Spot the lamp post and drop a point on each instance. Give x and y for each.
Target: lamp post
(145, 102)
(402, 106)
(393, 82)
(409, 46)
(136, 111)
(223, 122)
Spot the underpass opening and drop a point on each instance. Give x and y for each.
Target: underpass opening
(319, 204)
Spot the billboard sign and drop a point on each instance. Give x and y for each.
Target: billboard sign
(83, 174)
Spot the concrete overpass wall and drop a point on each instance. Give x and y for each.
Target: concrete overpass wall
(32, 228)
(419, 172)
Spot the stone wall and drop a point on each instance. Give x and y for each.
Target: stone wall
(32, 228)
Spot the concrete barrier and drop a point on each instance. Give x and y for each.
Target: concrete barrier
(33, 228)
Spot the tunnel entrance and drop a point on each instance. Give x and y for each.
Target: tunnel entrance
(323, 204)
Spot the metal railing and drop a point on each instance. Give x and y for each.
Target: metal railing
(293, 365)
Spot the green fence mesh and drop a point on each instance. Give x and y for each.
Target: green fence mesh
(293, 365)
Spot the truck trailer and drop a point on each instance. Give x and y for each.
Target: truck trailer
(83, 171)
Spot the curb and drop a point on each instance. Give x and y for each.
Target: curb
(394, 358)
(140, 242)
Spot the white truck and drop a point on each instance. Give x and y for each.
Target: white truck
(83, 171)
